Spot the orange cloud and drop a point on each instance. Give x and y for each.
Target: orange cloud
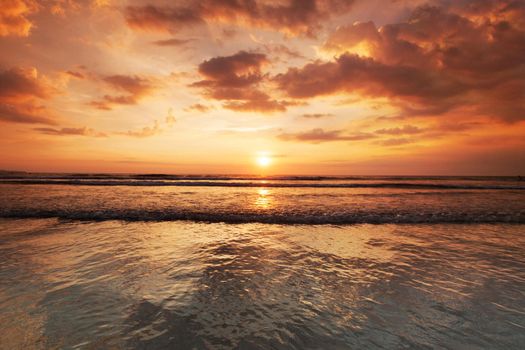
(136, 88)
(236, 79)
(23, 83)
(75, 74)
(352, 73)
(83, 131)
(404, 130)
(316, 115)
(13, 17)
(512, 11)
(163, 19)
(439, 60)
(146, 131)
(263, 105)
(239, 70)
(396, 142)
(198, 107)
(389, 136)
(21, 94)
(25, 113)
(172, 42)
(318, 135)
(14, 14)
(282, 50)
(290, 16)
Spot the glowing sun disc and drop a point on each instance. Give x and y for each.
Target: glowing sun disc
(263, 161)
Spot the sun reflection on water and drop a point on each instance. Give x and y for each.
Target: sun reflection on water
(263, 200)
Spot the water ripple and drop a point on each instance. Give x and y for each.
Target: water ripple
(221, 286)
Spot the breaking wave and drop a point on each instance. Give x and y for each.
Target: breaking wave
(267, 183)
(275, 200)
(377, 217)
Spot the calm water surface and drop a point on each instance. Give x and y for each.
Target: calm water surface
(166, 262)
(184, 285)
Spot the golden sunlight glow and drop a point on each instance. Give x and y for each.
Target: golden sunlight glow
(264, 160)
(314, 90)
(263, 192)
(263, 200)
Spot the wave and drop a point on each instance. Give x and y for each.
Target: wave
(217, 177)
(389, 217)
(203, 183)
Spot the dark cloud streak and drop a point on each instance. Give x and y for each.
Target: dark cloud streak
(136, 88)
(22, 92)
(236, 81)
(319, 135)
(292, 17)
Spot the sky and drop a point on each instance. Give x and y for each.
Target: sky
(341, 87)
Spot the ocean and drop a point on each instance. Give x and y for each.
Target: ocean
(112, 261)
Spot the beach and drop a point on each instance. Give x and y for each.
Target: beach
(89, 267)
(262, 174)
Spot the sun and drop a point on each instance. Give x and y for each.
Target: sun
(263, 160)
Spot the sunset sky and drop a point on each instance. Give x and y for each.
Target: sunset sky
(409, 87)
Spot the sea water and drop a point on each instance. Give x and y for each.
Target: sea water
(220, 262)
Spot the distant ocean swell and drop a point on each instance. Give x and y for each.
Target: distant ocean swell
(18, 175)
(377, 217)
(278, 184)
(276, 200)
